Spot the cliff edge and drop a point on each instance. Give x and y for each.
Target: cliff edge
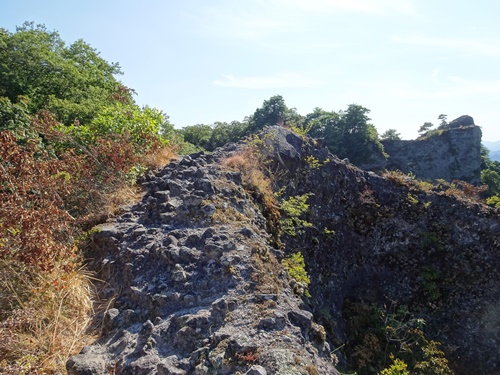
(450, 154)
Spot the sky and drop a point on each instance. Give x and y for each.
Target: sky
(202, 61)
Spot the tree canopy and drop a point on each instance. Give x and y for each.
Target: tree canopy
(73, 81)
(348, 134)
(391, 134)
(274, 111)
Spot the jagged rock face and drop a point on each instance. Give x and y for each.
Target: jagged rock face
(455, 154)
(197, 289)
(195, 286)
(375, 241)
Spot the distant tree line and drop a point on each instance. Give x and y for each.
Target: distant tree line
(348, 134)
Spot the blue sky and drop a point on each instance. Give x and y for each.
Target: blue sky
(202, 61)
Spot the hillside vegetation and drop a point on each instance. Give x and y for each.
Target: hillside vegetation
(72, 143)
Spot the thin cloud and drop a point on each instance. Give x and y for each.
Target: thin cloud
(275, 81)
(472, 87)
(449, 88)
(240, 22)
(360, 6)
(467, 45)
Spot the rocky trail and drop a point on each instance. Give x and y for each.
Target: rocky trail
(196, 287)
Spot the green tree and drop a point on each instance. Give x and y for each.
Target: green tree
(320, 123)
(73, 82)
(347, 134)
(391, 134)
(273, 112)
(198, 135)
(425, 127)
(147, 127)
(491, 178)
(209, 137)
(15, 117)
(224, 132)
(359, 138)
(490, 175)
(444, 123)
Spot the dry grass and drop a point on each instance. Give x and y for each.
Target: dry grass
(250, 166)
(45, 316)
(45, 299)
(159, 158)
(111, 202)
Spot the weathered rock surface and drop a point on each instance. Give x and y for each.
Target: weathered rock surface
(455, 154)
(377, 241)
(196, 288)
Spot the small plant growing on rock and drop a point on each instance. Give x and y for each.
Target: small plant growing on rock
(314, 163)
(292, 208)
(493, 201)
(296, 268)
(248, 356)
(398, 367)
(329, 232)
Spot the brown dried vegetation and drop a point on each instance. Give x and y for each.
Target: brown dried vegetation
(52, 190)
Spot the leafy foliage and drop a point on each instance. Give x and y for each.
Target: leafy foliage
(292, 209)
(493, 201)
(274, 111)
(398, 367)
(146, 128)
(425, 127)
(57, 180)
(490, 176)
(209, 137)
(73, 82)
(296, 267)
(391, 134)
(347, 133)
(380, 334)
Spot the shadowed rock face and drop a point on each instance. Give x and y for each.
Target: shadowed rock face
(455, 154)
(382, 239)
(198, 289)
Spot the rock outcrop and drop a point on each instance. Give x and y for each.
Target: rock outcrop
(195, 285)
(379, 241)
(197, 288)
(451, 154)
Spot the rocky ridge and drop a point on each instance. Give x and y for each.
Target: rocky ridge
(195, 285)
(395, 241)
(198, 289)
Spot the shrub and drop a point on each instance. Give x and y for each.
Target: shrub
(493, 201)
(398, 367)
(391, 332)
(53, 189)
(292, 208)
(296, 268)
